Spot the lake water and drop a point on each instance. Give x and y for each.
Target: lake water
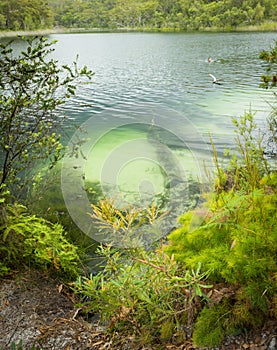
(171, 70)
(147, 116)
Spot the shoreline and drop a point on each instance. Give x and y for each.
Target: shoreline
(12, 34)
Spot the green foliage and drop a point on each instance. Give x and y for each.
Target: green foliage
(143, 293)
(270, 80)
(4, 270)
(162, 15)
(237, 243)
(171, 15)
(29, 240)
(233, 245)
(236, 240)
(122, 223)
(25, 14)
(124, 218)
(33, 86)
(247, 164)
(19, 346)
(211, 325)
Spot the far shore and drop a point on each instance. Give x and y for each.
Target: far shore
(11, 34)
(268, 27)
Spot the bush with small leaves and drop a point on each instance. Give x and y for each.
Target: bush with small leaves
(33, 87)
(236, 241)
(29, 240)
(143, 294)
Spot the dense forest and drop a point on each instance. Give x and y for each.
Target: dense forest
(186, 15)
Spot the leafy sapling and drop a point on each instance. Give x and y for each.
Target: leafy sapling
(33, 87)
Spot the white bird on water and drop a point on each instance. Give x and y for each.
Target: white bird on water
(215, 81)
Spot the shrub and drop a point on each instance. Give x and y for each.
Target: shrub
(29, 240)
(143, 294)
(238, 245)
(33, 87)
(270, 79)
(236, 242)
(233, 245)
(129, 226)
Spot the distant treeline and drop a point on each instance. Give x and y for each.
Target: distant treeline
(184, 15)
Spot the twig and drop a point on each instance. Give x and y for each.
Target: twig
(76, 313)
(163, 269)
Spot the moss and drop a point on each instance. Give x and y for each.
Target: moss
(167, 330)
(210, 326)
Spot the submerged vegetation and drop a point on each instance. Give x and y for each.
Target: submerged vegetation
(203, 281)
(212, 280)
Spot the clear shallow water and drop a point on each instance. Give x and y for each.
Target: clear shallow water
(171, 70)
(146, 81)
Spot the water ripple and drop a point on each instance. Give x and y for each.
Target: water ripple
(172, 70)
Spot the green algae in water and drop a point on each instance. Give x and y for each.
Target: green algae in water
(127, 165)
